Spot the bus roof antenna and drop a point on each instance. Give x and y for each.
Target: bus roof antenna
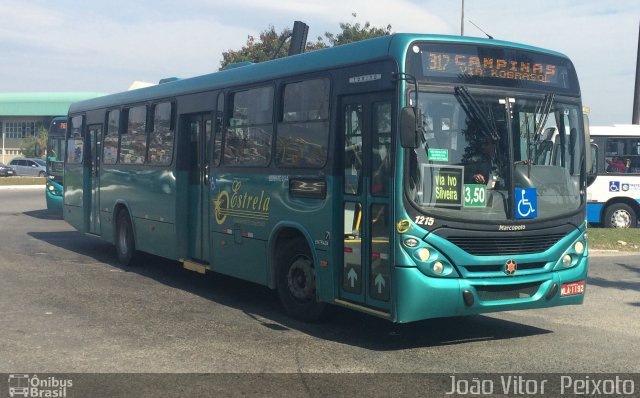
(298, 39)
(480, 29)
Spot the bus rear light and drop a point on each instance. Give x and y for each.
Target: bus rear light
(324, 263)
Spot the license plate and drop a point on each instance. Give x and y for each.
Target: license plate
(573, 288)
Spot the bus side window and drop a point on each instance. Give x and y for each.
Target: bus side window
(217, 131)
(381, 148)
(353, 149)
(303, 125)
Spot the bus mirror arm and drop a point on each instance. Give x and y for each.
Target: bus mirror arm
(409, 127)
(411, 118)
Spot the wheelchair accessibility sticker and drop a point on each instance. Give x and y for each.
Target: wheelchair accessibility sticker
(526, 203)
(614, 186)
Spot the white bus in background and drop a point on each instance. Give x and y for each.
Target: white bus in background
(614, 195)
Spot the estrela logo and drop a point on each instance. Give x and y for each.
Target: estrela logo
(241, 204)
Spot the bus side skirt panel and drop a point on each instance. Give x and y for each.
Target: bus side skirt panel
(594, 210)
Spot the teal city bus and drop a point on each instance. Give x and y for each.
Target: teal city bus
(351, 176)
(56, 145)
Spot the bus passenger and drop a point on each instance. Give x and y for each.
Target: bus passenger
(616, 165)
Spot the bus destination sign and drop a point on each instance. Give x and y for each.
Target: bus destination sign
(492, 65)
(502, 68)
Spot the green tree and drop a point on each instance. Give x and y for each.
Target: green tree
(271, 44)
(355, 32)
(28, 144)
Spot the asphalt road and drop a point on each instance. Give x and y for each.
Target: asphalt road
(66, 306)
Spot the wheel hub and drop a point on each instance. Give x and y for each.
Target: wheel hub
(301, 279)
(621, 219)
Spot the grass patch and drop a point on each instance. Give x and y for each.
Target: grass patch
(22, 180)
(614, 239)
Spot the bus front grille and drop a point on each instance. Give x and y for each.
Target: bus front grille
(507, 292)
(505, 245)
(500, 267)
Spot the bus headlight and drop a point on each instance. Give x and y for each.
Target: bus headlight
(566, 260)
(579, 248)
(438, 267)
(423, 254)
(411, 242)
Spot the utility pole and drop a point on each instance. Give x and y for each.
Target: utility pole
(636, 93)
(462, 20)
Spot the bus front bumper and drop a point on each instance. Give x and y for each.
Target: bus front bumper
(53, 195)
(421, 297)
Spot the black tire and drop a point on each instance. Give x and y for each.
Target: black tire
(41, 174)
(620, 215)
(125, 243)
(297, 282)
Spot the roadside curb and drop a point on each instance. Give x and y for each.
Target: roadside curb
(610, 253)
(22, 186)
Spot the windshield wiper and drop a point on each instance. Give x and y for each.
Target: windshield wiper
(472, 108)
(543, 108)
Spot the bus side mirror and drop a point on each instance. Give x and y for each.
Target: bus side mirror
(591, 160)
(408, 128)
(589, 148)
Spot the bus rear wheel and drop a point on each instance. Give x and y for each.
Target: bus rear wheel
(125, 243)
(620, 215)
(297, 282)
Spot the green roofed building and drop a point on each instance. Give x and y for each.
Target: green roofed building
(25, 114)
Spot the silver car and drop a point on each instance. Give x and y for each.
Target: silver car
(29, 167)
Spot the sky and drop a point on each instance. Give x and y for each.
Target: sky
(105, 45)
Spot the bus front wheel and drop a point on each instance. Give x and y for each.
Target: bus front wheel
(620, 215)
(125, 244)
(297, 282)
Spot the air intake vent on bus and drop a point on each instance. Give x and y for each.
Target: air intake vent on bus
(168, 80)
(505, 245)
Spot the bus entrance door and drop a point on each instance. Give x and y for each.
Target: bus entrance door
(198, 129)
(95, 138)
(365, 276)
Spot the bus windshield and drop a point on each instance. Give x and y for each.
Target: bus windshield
(480, 153)
(56, 147)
